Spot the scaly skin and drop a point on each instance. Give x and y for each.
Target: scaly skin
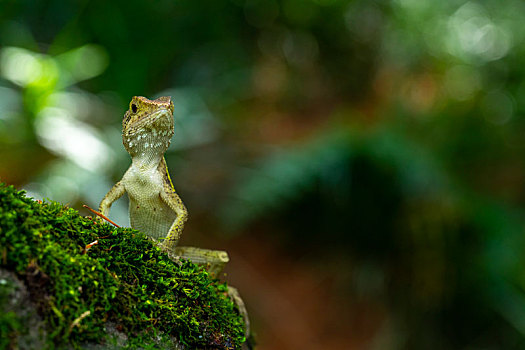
(154, 206)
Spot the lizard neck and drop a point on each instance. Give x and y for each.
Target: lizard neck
(147, 148)
(145, 161)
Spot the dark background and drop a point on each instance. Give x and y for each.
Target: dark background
(363, 162)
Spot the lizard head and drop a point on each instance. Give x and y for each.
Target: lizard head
(148, 125)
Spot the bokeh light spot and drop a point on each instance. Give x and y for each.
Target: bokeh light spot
(23, 67)
(77, 141)
(473, 35)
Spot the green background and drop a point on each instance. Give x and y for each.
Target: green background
(362, 161)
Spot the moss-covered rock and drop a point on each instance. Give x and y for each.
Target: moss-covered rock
(122, 290)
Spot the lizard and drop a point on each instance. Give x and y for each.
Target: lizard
(155, 208)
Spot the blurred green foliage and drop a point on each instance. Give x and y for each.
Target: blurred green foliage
(383, 138)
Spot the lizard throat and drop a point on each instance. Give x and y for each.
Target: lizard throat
(148, 138)
(147, 147)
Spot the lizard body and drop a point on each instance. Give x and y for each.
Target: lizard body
(154, 206)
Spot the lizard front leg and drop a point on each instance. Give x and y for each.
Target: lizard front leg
(172, 199)
(113, 194)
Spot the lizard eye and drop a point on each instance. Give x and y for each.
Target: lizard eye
(134, 108)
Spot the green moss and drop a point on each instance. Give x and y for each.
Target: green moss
(124, 279)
